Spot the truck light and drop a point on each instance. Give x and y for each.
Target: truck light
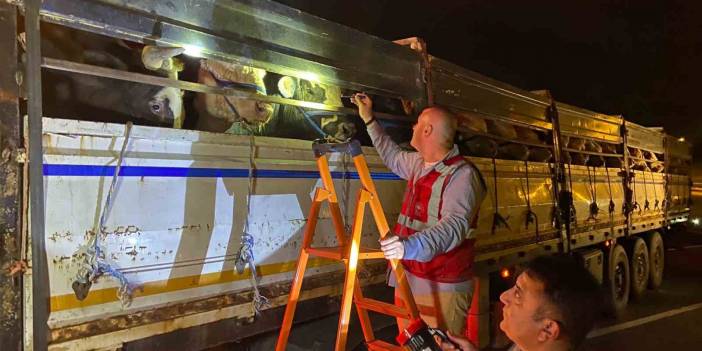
(192, 50)
(505, 273)
(695, 221)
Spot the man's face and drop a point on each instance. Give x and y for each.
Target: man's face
(520, 314)
(418, 131)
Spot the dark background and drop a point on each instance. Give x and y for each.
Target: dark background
(641, 59)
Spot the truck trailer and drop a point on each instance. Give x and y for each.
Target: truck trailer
(124, 232)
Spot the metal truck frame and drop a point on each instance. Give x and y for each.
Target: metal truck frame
(174, 225)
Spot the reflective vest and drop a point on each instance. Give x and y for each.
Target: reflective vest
(421, 209)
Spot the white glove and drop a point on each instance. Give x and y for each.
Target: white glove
(393, 248)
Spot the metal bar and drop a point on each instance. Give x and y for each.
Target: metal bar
(11, 183)
(627, 182)
(496, 137)
(563, 194)
(591, 152)
(351, 270)
(384, 229)
(362, 313)
(40, 277)
(258, 33)
(68, 66)
(477, 80)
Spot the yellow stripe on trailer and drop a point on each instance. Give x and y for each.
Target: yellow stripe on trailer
(102, 296)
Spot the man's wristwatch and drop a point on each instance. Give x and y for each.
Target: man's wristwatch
(370, 121)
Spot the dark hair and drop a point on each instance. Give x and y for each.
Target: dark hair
(571, 290)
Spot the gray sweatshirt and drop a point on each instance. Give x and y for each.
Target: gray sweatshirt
(461, 198)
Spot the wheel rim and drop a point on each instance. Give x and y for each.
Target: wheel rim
(619, 281)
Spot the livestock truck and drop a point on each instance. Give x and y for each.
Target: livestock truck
(120, 232)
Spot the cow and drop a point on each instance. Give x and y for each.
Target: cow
(218, 113)
(79, 96)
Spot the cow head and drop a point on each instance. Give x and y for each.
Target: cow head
(232, 75)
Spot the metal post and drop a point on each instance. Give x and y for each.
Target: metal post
(627, 181)
(563, 194)
(10, 182)
(40, 278)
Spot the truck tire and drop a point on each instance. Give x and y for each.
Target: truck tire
(656, 254)
(618, 278)
(640, 265)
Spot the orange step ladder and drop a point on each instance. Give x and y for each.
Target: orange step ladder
(349, 252)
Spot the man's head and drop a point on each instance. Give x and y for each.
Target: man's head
(552, 306)
(434, 131)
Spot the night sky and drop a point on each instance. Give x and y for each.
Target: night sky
(641, 59)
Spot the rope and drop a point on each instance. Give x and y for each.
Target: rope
(531, 217)
(656, 202)
(95, 265)
(246, 250)
(497, 219)
(611, 200)
(647, 204)
(635, 205)
(572, 215)
(245, 254)
(346, 184)
(310, 121)
(592, 188)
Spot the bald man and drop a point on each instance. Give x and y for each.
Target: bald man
(433, 235)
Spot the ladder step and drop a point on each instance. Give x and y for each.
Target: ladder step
(382, 307)
(338, 253)
(381, 345)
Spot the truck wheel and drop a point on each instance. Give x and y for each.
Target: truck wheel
(640, 265)
(656, 254)
(618, 278)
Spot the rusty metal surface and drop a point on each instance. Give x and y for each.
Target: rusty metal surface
(10, 183)
(40, 275)
(107, 325)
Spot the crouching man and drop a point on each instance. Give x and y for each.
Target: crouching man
(433, 235)
(551, 307)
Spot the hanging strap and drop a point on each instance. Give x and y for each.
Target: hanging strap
(635, 203)
(611, 200)
(246, 250)
(647, 204)
(497, 220)
(656, 202)
(573, 215)
(531, 217)
(592, 188)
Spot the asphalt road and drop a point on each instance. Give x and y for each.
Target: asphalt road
(669, 319)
